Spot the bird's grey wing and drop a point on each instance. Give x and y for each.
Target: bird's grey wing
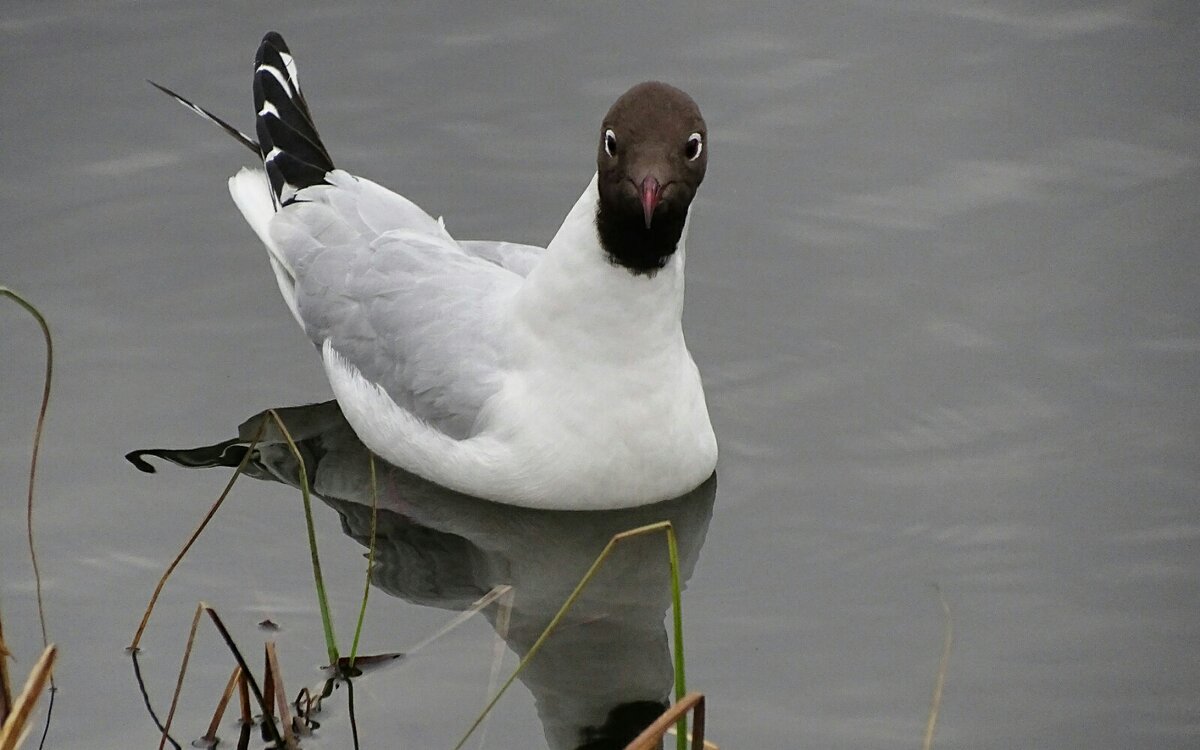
(518, 258)
(396, 297)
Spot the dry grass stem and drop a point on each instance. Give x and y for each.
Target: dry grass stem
(462, 617)
(187, 654)
(14, 729)
(37, 444)
(708, 745)
(935, 703)
(285, 716)
(269, 727)
(268, 696)
(246, 718)
(244, 699)
(241, 467)
(673, 554)
(504, 606)
(210, 735)
(651, 736)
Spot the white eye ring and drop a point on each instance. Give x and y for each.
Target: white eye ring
(695, 146)
(610, 142)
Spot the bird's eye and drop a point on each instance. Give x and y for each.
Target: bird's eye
(610, 142)
(695, 146)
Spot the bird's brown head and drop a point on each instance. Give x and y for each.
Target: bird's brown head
(652, 155)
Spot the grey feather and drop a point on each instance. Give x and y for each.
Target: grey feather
(398, 297)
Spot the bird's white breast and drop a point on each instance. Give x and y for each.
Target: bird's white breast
(600, 397)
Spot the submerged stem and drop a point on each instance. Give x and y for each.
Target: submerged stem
(673, 555)
(319, 580)
(362, 610)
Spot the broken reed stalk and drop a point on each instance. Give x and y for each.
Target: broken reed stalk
(244, 708)
(187, 654)
(244, 699)
(14, 729)
(268, 726)
(673, 557)
(935, 704)
(651, 736)
(504, 606)
(318, 579)
(362, 610)
(496, 593)
(285, 716)
(241, 467)
(210, 735)
(33, 460)
(268, 700)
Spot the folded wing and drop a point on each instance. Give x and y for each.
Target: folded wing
(395, 296)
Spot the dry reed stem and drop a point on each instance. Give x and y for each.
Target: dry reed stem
(652, 735)
(491, 596)
(936, 702)
(246, 718)
(244, 698)
(268, 699)
(162, 581)
(285, 716)
(210, 735)
(708, 745)
(14, 729)
(187, 654)
(504, 607)
(268, 726)
(33, 460)
(616, 539)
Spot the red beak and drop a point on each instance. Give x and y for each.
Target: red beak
(651, 192)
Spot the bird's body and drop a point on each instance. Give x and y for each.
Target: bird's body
(547, 378)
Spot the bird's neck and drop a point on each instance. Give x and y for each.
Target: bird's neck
(578, 293)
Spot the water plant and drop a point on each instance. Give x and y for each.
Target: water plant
(15, 713)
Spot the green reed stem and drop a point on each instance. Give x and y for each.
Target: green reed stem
(673, 556)
(362, 610)
(319, 580)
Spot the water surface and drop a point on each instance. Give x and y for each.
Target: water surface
(943, 291)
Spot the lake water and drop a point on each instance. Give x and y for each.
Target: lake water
(944, 290)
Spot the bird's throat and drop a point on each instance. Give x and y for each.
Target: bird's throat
(642, 250)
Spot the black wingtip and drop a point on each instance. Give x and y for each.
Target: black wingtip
(233, 132)
(228, 453)
(293, 154)
(135, 457)
(275, 39)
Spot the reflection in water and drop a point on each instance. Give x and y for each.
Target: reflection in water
(606, 672)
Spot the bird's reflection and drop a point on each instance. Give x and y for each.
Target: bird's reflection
(606, 673)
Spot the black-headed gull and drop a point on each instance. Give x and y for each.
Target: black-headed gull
(555, 378)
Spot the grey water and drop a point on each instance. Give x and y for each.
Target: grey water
(944, 290)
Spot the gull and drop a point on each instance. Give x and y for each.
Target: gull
(546, 378)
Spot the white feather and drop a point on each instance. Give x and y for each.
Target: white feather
(252, 195)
